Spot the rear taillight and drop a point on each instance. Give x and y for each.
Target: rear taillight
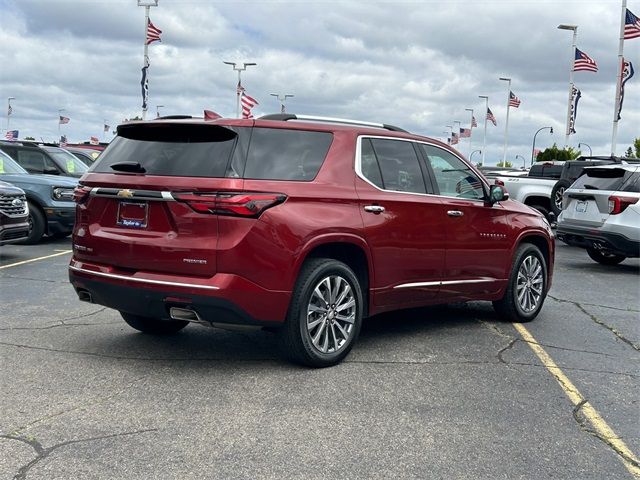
(618, 204)
(245, 204)
(80, 194)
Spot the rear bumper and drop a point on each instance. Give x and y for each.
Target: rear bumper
(606, 241)
(14, 232)
(222, 299)
(60, 219)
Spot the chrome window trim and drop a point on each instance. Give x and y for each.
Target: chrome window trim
(358, 167)
(445, 282)
(165, 195)
(142, 280)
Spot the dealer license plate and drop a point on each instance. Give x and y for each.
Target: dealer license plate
(133, 214)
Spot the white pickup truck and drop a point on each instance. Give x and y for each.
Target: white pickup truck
(532, 191)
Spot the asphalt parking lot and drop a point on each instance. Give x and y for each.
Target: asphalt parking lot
(445, 392)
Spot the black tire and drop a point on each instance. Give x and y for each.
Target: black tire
(605, 258)
(59, 235)
(153, 325)
(510, 307)
(556, 195)
(37, 224)
(296, 337)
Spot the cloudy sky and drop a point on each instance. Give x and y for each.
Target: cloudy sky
(415, 64)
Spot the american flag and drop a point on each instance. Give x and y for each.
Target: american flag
(153, 33)
(239, 89)
(536, 152)
(11, 135)
(454, 138)
(63, 140)
(473, 122)
(469, 184)
(94, 140)
(9, 110)
(63, 120)
(491, 117)
(631, 26)
(584, 62)
(513, 100)
(465, 132)
(106, 128)
(627, 73)
(247, 103)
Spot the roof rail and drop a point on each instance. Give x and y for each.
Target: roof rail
(310, 118)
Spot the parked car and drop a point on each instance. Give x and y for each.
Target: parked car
(85, 155)
(602, 213)
(14, 214)
(572, 170)
(533, 189)
(45, 159)
(50, 199)
(304, 225)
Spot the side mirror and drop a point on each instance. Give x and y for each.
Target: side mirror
(497, 193)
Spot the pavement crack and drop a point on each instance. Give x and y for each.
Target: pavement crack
(42, 452)
(562, 300)
(596, 320)
(502, 351)
(583, 423)
(63, 322)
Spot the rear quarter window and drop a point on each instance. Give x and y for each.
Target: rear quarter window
(280, 154)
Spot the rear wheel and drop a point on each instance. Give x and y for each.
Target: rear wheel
(557, 192)
(527, 287)
(153, 325)
(325, 315)
(36, 225)
(605, 258)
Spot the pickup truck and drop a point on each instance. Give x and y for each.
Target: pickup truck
(533, 189)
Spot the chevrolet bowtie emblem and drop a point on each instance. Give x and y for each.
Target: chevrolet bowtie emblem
(125, 193)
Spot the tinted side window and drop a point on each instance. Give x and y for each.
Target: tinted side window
(399, 165)
(453, 176)
(632, 184)
(369, 164)
(35, 161)
(279, 154)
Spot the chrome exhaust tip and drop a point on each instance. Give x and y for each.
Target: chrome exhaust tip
(185, 314)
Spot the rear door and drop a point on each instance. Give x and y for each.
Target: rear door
(401, 221)
(152, 194)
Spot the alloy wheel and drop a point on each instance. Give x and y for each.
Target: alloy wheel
(331, 314)
(558, 198)
(530, 283)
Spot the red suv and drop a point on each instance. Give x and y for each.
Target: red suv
(305, 225)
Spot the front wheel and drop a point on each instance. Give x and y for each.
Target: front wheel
(605, 258)
(37, 224)
(527, 287)
(153, 325)
(325, 314)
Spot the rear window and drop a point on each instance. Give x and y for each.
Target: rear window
(171, 150)
(279, 154)
(611, 179)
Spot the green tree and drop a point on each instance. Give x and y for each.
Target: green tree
(629, 153)
(29, 138)
(506, 164)
(636, 145)
(554, 153)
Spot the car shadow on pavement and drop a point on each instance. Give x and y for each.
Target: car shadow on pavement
(592, 267)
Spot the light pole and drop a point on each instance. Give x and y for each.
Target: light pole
(573, 28)
(470, 128)
(158, 107)
(239, 70)
(471, 156)
(590, 151)
(506, 123)
(9, 110)
(484, 137)
(147, 4)
(524, 162)
(533, 147)
(282, 99)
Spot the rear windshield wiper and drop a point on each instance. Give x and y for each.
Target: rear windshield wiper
(133, 167)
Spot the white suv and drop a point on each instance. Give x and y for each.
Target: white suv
(601, 212)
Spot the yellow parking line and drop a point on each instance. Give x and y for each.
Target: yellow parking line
(35, 259)
(598, 423)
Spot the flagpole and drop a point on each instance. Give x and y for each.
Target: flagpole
(147, 4)
(506, 123)
(484, 137)
(574, 28)
(616, 107)
(470, 128)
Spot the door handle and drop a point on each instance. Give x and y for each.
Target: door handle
(455, 213)
(374, 209)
